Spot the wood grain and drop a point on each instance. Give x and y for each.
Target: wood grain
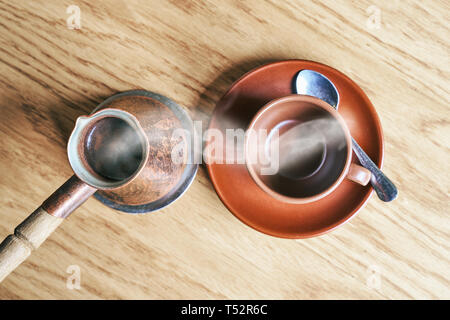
(192, 51)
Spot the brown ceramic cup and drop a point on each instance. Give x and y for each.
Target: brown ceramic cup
(298, 149)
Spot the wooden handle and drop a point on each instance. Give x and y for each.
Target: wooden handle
(28, 236)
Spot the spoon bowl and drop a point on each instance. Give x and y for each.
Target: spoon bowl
(312, 83)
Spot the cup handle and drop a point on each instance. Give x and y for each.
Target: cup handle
(359, 174)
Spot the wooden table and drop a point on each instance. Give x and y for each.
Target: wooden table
(192, 51)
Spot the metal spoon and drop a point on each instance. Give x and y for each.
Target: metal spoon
(315, 84)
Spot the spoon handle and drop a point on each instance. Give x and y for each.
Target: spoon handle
(384, 187)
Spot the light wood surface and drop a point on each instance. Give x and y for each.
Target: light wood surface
(192, 51)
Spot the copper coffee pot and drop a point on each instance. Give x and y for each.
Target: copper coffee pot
(134, 152)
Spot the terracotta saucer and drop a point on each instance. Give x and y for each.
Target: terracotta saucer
(239, 192)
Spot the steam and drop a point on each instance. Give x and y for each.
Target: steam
(118, 154)
(302, 147)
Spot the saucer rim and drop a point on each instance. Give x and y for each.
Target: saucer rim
(363, 201)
